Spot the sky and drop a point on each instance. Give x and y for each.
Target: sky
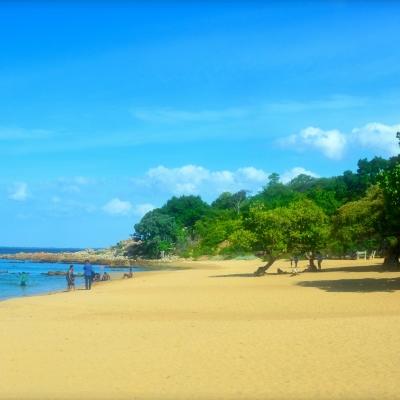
(107, 109)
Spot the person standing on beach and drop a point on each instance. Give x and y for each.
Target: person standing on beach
(294, 265)
(88, 274)
(319, 260)
(70, 276)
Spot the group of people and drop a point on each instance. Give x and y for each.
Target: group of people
(88, 273)
(295, 260)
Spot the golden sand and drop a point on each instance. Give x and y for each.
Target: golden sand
(210, 332)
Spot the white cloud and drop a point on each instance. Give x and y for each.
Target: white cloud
(253, 174)
(378, 136)
(296, 171)
(118, 207)
(193, 179)
(183, 180)
(331, 143)
(19, 191)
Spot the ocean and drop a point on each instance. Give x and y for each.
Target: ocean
(38, 282)
(15, 250)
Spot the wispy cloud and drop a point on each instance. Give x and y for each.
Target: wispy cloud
(19, 191)
(335, 102)
(73, 184)
(18, 134)
(170, 115)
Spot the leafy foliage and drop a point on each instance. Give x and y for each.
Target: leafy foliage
(340, 214)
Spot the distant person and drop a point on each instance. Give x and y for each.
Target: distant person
(96, 277)
(70, 276)
(24, 279)
(88, 274)
(106, 276)
(319, 261)
(129, 274)
(294, 263)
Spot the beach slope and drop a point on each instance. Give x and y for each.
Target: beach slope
(209, 332)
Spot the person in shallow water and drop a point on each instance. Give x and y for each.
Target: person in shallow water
(24, 279)
(70, 276)
(88, 274)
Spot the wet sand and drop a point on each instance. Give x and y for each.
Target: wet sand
(209, 332)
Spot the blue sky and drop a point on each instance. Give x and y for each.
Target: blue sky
(108, 109)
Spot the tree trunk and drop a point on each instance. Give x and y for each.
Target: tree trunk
(262, 270)
(392, 255)
(311, 258)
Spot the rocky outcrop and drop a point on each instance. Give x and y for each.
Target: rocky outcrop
(113, 256)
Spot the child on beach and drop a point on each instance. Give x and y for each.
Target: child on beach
(70, 276)
(24, 279)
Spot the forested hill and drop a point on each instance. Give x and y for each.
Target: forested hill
(335, 216)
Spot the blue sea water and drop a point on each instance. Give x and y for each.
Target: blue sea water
(15, 250)
(38, 283)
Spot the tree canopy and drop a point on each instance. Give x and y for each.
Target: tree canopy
(337, 215)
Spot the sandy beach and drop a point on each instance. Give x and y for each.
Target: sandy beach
(209, 332)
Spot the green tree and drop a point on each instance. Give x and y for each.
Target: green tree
(186, 210)
(156, 232)
(359, 224)
(229, 201)
(300, 227)
(390, 184)
(276, 194)
(264, 232)
(309, 229)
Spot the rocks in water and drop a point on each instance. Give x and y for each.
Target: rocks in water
(59, 273)
(54, 273)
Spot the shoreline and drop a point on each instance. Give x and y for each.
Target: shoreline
(97, 257)
(53, 292)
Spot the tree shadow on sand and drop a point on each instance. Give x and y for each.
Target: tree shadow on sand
(356, 268)
(248, 275)
(365, 285)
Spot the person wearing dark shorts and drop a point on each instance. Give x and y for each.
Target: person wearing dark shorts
(88, 274)
(70, 276)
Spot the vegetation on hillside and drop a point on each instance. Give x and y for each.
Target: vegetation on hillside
(335, 216)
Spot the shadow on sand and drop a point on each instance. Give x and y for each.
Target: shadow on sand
(355, 285)
(359, 268)
(249, 275)
(356, 268)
